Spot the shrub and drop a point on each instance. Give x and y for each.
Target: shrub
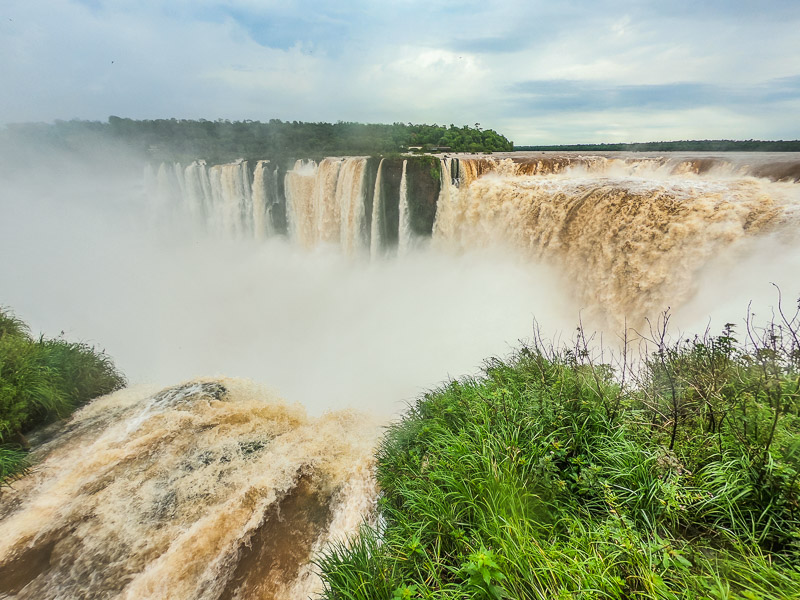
(555, 475)
(42, 380)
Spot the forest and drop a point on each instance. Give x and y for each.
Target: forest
(678, 146)
(224, 140)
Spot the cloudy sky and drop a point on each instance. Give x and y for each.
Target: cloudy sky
(559, 71)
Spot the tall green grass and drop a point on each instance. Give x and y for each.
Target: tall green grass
(556, 476)
(42, 380)
(13, 463)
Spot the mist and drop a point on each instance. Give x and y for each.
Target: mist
(751, 278)
(88, 254)
(83, 256)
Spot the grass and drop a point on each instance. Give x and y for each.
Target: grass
(555, 476)
(42, 380)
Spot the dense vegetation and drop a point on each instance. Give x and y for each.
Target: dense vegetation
(223, 140)
(42, 380)
(679, 146)
(556, 476)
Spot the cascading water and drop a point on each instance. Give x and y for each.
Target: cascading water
(628, 233)
(232, 198)
(166, 186)
(197, 192)
(215, 488)
(325, 209)
(210, 490)
(350, 200)
(300, 213)
(262, 200)
(631, 245)
(378, 218)
(325, 203)
(405, 235)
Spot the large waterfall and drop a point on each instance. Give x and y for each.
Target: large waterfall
(630, 237)
(629, 234)
(343, 281)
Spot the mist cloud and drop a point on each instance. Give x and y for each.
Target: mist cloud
(84, 256)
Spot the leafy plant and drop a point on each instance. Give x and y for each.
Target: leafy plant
(42, 380)
(404, 592)
(484, 573)
(562, 474)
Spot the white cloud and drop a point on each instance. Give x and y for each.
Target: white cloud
(407, 61)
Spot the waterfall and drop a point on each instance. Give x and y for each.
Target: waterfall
(448, 211)
(314, 197)
(167, 190)
(350, 200)
(150, 180)
(210, 489)
(377, 234)
(405, 233)
(299, 184)
(231, 195)
(179, 178)
(262, 195)
(326, 210)
(629, 246)
(197, 192)
(630, 233)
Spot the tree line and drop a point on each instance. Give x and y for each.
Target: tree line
(182, 139)
(678, 146)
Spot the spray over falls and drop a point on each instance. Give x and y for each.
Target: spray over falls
(631, 247)
(629, 235)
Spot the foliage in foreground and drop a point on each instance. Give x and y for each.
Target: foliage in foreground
(42, 380)
(554, 477)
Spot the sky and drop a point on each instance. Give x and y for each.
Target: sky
(550, 72)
